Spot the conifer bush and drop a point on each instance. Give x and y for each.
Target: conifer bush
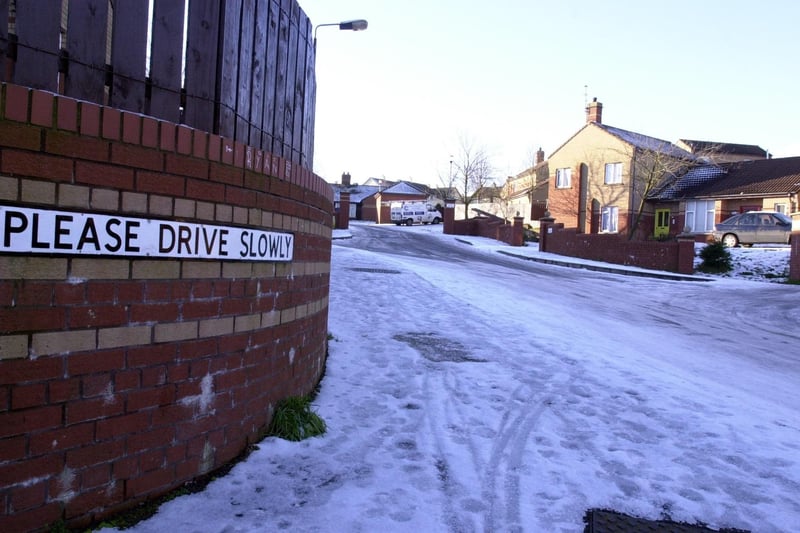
(716, 258)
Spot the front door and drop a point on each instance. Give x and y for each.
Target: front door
(662, 224)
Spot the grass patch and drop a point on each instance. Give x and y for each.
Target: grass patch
(294, 420)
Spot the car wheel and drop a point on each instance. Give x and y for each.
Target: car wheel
(436, 220)
(730, 240)
(409, 222)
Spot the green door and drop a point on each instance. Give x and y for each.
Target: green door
(662, 223)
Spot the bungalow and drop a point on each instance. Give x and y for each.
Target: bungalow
(708, 194)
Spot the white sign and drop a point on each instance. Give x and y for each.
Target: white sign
(41, 231)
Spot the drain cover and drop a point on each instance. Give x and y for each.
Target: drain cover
(375, 270)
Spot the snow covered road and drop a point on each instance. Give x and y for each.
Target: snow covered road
(473, 397)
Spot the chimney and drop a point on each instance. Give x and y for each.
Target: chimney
(594, 112)
(346, 179)
(539, 155)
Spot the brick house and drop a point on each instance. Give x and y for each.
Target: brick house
(372, 200)
(609, 180)
(600, 177)
(709, 193)
(525, 194)
(723, 152)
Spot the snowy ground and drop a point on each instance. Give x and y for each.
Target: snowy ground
(485, 399)
(759, 263)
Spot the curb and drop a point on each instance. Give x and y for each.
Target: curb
(607, 269)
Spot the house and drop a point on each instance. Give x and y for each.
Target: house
(487, 200)
(371, 201)
(525, 194)
(708, 193)
(358, 193)
(723, 152)
(600, 178)
(609, 180)
(402, 191)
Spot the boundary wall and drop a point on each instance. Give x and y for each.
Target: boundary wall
(484, 225)
(122, 378)
(673, 256)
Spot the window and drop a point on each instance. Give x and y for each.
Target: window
(608, 222)
(613, 173)
(563, 178)
(780, 208)
(700, 216)
(748, 219)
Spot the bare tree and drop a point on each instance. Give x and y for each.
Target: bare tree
(470, 173)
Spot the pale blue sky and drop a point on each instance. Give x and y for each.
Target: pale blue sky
(394, 100)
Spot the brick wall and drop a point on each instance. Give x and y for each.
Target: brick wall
(673, 256)
(124, 377)
(491, 228)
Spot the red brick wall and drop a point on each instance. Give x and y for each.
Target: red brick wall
(485, 227)
(122, 378)
(616, 249)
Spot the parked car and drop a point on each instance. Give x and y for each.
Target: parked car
(754, 227)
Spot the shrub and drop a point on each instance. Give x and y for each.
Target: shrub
(716, 258)
(294, 420)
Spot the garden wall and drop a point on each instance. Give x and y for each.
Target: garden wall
(161, 288)
(484, 225)
(673, 256)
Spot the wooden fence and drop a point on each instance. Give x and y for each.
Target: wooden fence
(246, 71)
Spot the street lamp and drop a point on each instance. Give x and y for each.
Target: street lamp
(352, 25)
(451, 171)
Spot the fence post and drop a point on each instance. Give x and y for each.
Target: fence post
(685, 254)
(545, 226)
(449, 216)
(343, 216)
(517, 233)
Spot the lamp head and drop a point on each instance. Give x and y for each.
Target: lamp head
(354, 25)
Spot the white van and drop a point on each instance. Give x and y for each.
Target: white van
(414, 213)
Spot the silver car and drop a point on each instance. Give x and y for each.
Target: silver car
(754, 227)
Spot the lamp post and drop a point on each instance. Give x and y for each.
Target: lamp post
(352, 25)
(451, 170)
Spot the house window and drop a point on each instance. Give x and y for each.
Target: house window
(609, 219)
(613, 173)
(700, 216)
(780, 208)
(563, 178)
